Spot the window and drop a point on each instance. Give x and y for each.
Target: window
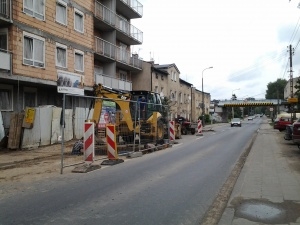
(171, 75)
(61, 12)
(123, 75)
(29, 97)
(35, 8)
(156, 89)
(33, 50)
(61, 55)
(78, 21)
(180, 97)
(6, 96)
(175, 75)
(3, 39)
(123, 51)
(79, 61)
(156, 75)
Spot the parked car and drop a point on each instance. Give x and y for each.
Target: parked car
(288, 133)
(250, 118)
(280, 123)
(296, 133)
(236, 122)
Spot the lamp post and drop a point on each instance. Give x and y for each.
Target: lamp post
(232, 99)
(203, 96)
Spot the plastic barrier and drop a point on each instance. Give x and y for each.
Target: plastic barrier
(88, 139)
(200, 128)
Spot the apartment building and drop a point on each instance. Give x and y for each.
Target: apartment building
(51, 47)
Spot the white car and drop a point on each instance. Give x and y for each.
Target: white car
(236, 122)
(250, 118)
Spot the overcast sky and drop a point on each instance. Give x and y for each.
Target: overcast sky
(246, 42)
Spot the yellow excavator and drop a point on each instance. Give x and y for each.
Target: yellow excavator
(138, 113)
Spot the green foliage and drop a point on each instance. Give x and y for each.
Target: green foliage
(166, 107)
(276, 89)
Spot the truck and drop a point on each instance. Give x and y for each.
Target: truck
(147, 122)
(186, 125)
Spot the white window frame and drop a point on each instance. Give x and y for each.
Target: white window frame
(34, 61)
(30, 90)
(32, 11)
(65, 5)
(58, 45)
(9, 89)
(79, 53)
(76, 11)
(175, 76)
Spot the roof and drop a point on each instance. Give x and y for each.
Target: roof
(166, 66)
(185, 82)
(160, 71)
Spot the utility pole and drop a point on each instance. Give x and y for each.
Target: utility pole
(291, 81)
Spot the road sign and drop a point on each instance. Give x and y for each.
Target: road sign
(292, 100)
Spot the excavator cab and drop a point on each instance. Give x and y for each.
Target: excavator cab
(146, 102)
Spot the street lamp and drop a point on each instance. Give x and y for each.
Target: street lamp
(232, 99)
(203, 96)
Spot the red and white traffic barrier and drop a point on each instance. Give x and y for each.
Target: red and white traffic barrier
(112, 153)
(89, 143)
(199, 128)
(172, 130)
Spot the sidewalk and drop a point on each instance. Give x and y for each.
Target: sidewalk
(267, 190)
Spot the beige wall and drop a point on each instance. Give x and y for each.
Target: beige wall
(185, 101)
(160, 83)
(53, 33)
(142, 79)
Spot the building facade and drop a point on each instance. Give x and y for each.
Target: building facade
(185, 99)
(49, 47)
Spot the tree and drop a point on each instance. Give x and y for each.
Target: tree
(233, 97)
(166, 107)
(276, 89)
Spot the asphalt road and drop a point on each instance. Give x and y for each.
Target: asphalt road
(174, 186)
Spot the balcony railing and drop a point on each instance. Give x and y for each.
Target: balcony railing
(135, 5)
(112, 51)
(5, 9)
(108, 16)
(113, 82)
(5, 62)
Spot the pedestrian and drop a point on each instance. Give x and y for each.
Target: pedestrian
(78, 147)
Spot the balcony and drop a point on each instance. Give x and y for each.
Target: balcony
(105, 20)
(5, 12)
(113, 82)
(130, 8)
(5, 62)
(107, 52)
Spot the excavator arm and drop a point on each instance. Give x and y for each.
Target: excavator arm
(122, 99)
